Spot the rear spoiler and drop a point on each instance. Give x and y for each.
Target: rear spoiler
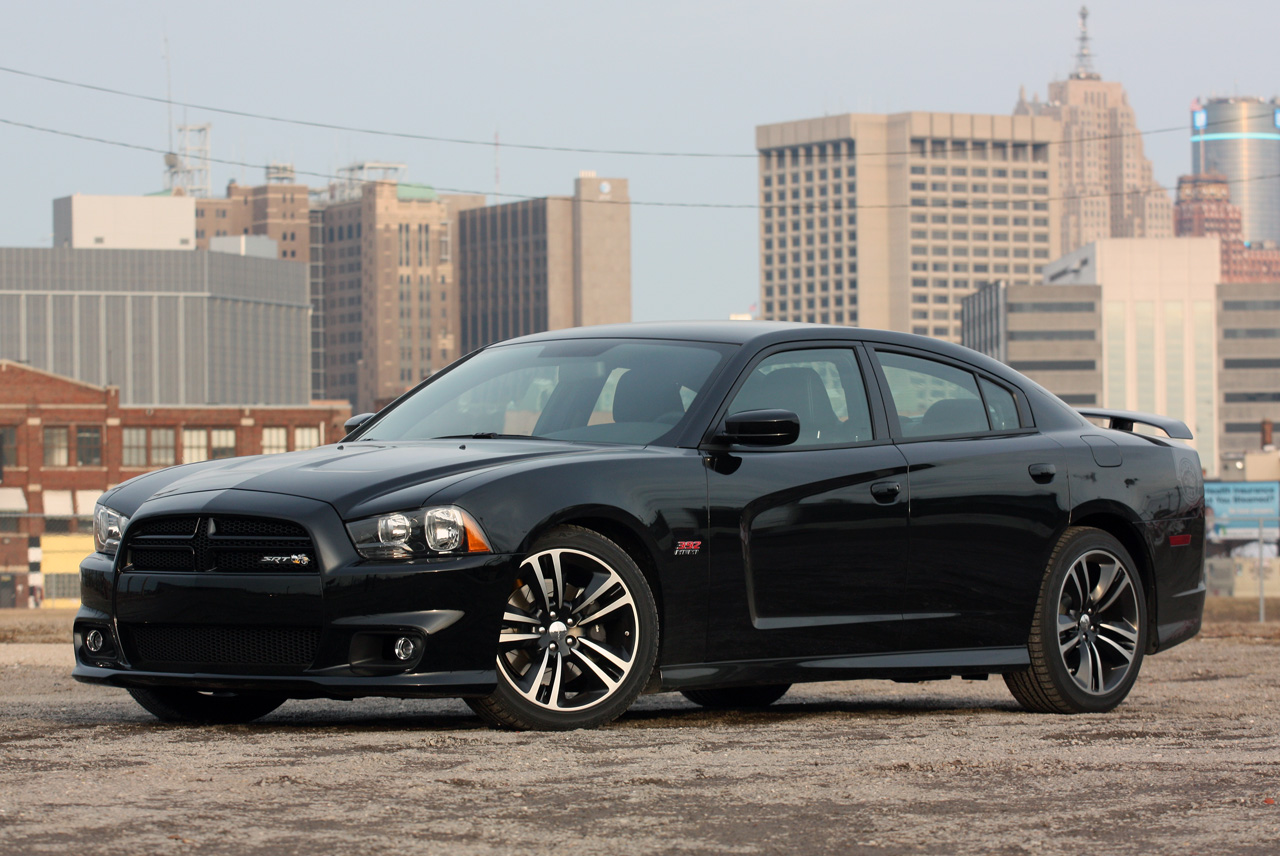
(1124, 420)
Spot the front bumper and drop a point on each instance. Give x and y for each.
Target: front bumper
(328, 632)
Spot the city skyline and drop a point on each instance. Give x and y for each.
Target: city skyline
(688, 78)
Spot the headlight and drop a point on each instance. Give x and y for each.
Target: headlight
(108, 526)
(446, 530)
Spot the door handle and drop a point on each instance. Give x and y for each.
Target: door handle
(886, 491)
(1042, 473)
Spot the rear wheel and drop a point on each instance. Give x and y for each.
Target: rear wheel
(579, 636)
(737, 698)
(1089, 631)
(176, 704)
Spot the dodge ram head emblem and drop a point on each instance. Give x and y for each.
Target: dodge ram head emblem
(295, 559)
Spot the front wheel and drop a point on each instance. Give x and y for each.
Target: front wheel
(176, 704)
(1089, 631)
(579, 636)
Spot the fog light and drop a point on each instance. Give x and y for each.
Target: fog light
(94, 641)
(404, 648)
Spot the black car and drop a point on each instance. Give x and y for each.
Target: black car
(558, 523)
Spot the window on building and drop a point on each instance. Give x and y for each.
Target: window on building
(162, 447)
(133, 447)
(195, 445)
(56, 447)
(88, 446)
(306, 438)
(222, 443)
(8, 445)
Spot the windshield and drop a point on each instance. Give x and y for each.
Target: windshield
(630, 391)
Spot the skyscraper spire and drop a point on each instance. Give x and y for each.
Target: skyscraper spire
(1084, 56)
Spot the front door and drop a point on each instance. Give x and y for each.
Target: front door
(808, 541)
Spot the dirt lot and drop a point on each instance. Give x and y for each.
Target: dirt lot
(1190, 764)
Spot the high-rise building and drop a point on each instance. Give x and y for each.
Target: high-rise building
(165, 326)
(1109, 188)
(545, 264)
(890, 220)
(1239, 138)
(1130, 324)
(279, 209)
(390, 294)
(1204, 208)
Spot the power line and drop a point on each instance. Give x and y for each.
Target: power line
(333, 126)
(405, 135)
(781, 207)
(332, 177)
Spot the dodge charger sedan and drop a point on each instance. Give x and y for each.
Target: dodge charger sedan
(558, 523)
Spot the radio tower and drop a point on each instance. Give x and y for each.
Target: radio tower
(1084, 56)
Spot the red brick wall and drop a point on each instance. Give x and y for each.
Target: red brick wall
(31, 400)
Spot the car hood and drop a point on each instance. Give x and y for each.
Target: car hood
(344, 476)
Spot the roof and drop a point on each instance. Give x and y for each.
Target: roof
(763, 333)
(413, 192)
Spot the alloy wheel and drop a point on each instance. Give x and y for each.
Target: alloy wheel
(1098, 620)
(570, 631)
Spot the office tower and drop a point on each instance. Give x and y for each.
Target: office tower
(890, 220)
(1108, 185)
(1239, 139)
(1130, 324)
(390, 294)
(545, 264)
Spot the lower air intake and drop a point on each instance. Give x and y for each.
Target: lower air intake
(225, 646)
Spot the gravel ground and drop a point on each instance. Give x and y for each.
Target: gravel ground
(1188, 764)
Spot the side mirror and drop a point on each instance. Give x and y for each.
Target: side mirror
(761, 428)
(356, 421)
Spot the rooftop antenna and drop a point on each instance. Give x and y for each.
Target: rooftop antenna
(1084, 56)
(497, 168)
(170, 158)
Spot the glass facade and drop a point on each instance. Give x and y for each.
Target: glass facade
(1240, 138)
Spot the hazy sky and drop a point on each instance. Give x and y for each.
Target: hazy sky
(654, 76)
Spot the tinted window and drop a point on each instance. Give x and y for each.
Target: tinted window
(933, 399)
(595, 390)
(821, 386)
(1001, 408)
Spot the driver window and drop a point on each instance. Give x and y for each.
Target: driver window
(823, 387)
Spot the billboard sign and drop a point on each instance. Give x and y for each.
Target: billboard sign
(1233, 509)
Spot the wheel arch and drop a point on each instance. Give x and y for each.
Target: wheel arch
(1127, 529)
(621, 528)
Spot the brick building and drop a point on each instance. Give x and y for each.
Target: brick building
(1205, 208)
(63, 442)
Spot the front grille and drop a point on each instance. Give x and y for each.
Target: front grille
(227, 544)
(183, 527)
(258, 527)
(212, 647)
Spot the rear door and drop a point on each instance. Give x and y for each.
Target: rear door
(988, 495)
(808, 541)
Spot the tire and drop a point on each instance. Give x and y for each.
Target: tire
(174, 704)
(1089, 632)
(737, 698)
(579, 636)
